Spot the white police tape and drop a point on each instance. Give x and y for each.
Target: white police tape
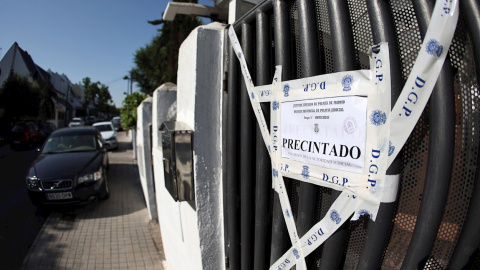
(325, 86)
(349, 85)
(301, 108)
(422, 79)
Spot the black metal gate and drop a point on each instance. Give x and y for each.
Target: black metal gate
(435, 222)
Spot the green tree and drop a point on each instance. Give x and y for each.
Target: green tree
(129, 109)
(157, 62)
(19, 99)
(46, 105)
(104, 98)
(97, 93)
(90, 90)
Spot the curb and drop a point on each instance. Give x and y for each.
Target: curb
(35, 241)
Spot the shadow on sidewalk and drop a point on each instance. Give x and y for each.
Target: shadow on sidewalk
(122, 147)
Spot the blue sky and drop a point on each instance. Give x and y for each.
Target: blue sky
(82, 38)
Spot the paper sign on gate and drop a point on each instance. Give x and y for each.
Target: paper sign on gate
(328, 132)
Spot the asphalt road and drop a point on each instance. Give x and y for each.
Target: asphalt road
(20, 221)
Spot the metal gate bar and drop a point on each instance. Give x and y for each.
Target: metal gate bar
(247, 157)
(469, 239)
(378, 232)
(231, 159)
(263, 174)
(471, 8)
(310, 66)
(440, 156)
(280, 239)
(255, 251)
(343, 49)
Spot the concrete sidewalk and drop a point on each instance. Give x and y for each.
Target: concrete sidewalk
(112, 234)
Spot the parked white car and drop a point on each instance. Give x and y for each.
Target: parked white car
(108, 134)
(117, 123)
(76, 122)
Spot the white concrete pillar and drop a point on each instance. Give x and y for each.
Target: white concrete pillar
(193, 237)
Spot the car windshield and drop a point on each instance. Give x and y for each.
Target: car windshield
(19, 128)
(75, 120)
(70, 143)
(101, 128)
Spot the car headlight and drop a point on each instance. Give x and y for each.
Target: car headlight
(90, 177)
(32, 182)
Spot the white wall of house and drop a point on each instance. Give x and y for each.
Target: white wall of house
(77, 90)
(144, 155)
(193, 238)
(59, 82)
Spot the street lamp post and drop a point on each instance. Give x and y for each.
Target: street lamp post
(66, 103)
(127, 78)
(129, 83)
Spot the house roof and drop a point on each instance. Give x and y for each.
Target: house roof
(44, 74)
(36, 72)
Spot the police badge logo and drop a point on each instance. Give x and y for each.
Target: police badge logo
(316, 129)
(391, 148)
(434, 48)
(296, 254)
(364, 212)
(275, 105)
(286, 88)
(378, 118)
(347, 82)
(335, 216)
(350, 124)
(305, 172)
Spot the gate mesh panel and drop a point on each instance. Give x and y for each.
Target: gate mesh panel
(362, 34)
(466, 148)
(416, 150)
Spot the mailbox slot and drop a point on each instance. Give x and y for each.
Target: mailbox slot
(178, 161)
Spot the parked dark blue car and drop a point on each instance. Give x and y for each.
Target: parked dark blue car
(71, 168)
